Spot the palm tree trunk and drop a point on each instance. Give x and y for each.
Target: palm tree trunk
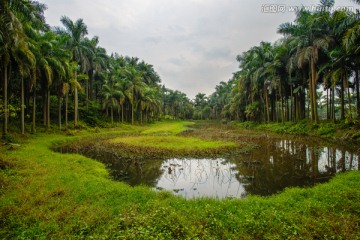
(310, 106)
(112, 114)
(327, 103)
(296, 107)
(309, 103)
(330, 104)
(22, 107)
(48, 110)
(132, 108)
(91, 83)
(119, 116)
(267, 105)
(287, 112)
(333, 103)
(6, 113)
(66, 110)
(141, 116)
(122, 112)
(33, 127)
(357, 93)
(75, 107)
(282, 108)
(75, 102)
(291, 104)
(342, 114)
(27, 99)
(302, 104)
(59, 111)
(44, 106)
(87, 95)
(313, 84)
(348, 96)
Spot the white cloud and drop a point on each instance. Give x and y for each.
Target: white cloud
(191, 43)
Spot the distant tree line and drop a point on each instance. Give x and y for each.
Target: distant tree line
(311, 73)
(58, 74)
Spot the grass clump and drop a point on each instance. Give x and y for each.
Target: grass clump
(167, 128)
(172, 142)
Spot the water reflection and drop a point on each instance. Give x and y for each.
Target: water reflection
(288, 163)
(200, 177)
(275, 165)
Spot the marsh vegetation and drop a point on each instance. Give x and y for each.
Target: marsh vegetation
(55, 195)
(218, 167)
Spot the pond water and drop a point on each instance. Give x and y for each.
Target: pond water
(275, 165)
(200, 177)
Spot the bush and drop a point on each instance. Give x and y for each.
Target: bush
(9, 138)
(247, 125)
(326, 129)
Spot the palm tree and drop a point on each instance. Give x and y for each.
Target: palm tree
(97, 61)
(310, 35)
(121, 88)
(52, 64)
(111, 98)
(13, 39)
(149, 74)
(135, 86)
(150, 102)
(200, 103)
(80, 51)
(351, 37)
(26, 64)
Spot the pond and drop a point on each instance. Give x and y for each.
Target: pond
(276, 164)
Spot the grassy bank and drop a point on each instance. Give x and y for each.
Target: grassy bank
(46, 195)
(325, 129)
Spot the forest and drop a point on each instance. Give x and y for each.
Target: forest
(56, 75)
(95, 146)
(311, 73)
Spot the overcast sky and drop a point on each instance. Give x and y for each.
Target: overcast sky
(192, 44)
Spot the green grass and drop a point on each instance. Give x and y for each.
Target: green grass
(324, 129)
(167, 128)
(48, 195)
(172, 142)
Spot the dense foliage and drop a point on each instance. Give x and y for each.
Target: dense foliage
(312, 72)
(58, 73)
(53, 74)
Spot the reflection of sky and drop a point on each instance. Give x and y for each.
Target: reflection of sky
(325, 156)
(200, 178)
(329, 158)
(216, 177)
